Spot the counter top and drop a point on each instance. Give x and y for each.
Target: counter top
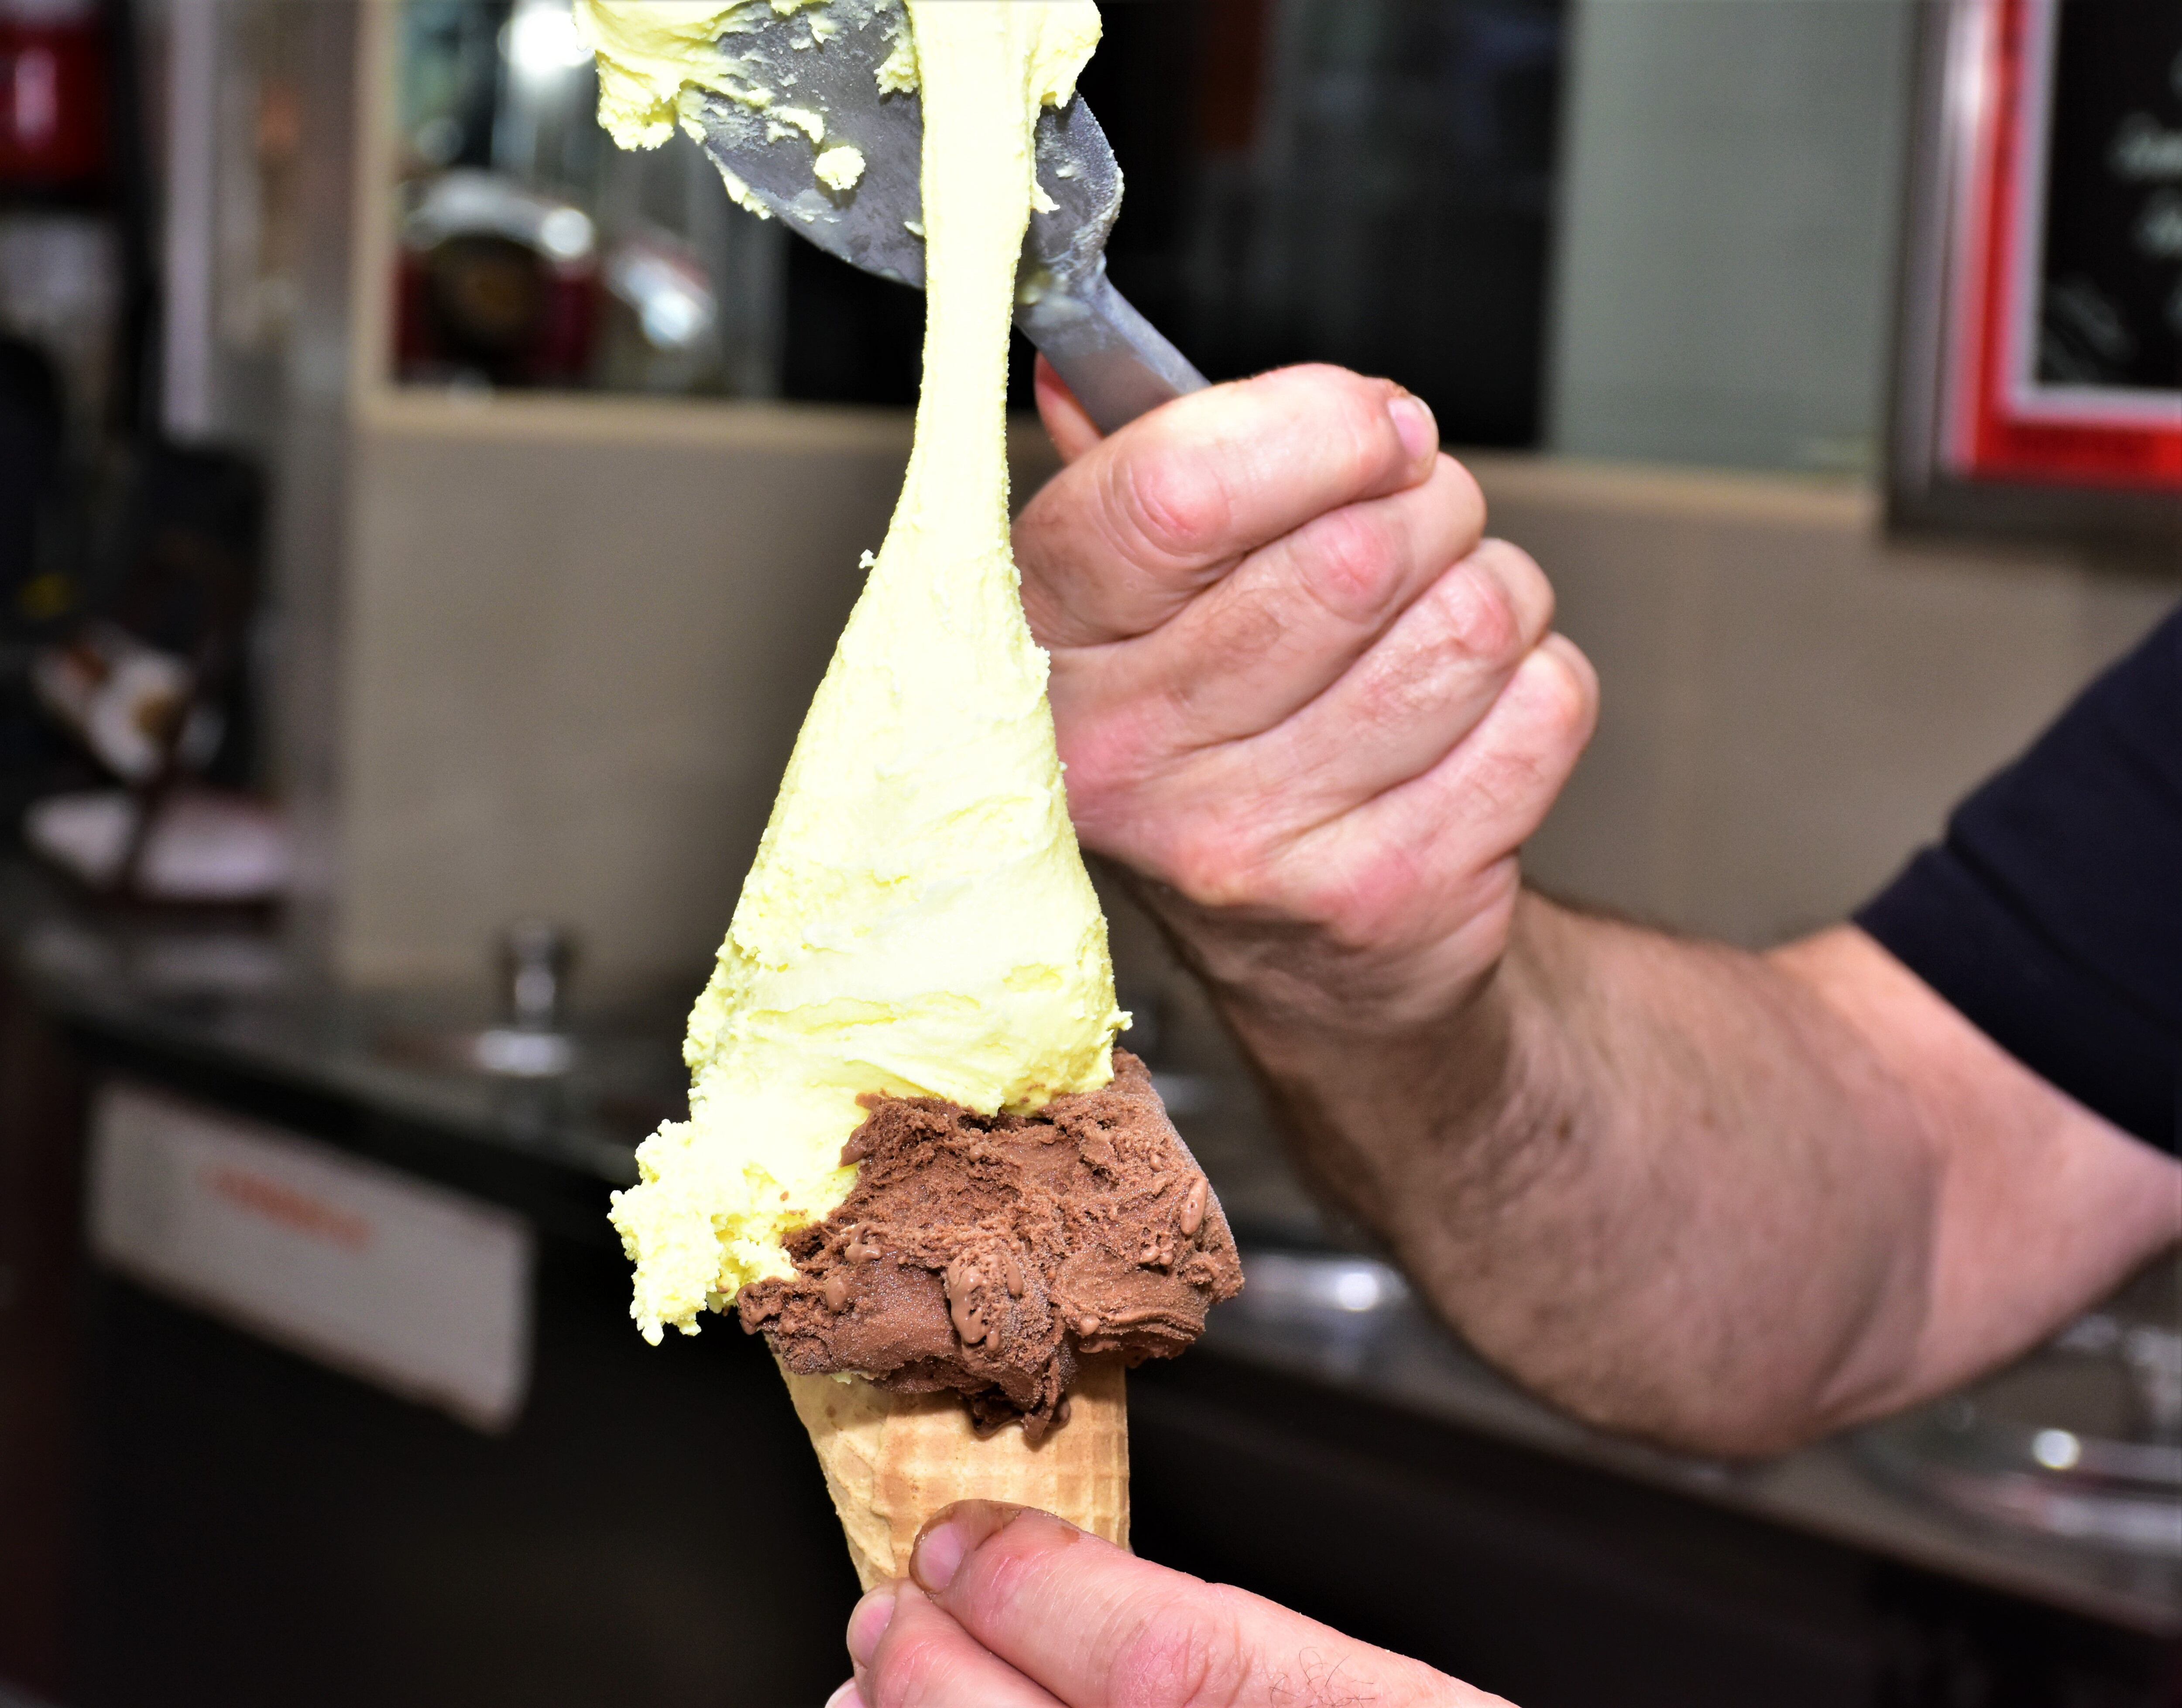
(225, 998)
(1383, 1346)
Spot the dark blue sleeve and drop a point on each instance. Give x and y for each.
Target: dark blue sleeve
(2051, 915)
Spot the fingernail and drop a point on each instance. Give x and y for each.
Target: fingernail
(845, 1697)
(1414, 424)
(940, 1555)
(867, 1625)
(950, 1538)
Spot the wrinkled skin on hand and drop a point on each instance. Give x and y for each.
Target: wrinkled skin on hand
(1299, 693)
(1008, 1608)
(1316, 712)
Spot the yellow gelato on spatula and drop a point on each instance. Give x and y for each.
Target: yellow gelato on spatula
(918, 921)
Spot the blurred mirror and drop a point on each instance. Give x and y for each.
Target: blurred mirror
(532, 253)
(1363, 182)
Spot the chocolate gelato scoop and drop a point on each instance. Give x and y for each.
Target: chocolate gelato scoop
(988, 1253)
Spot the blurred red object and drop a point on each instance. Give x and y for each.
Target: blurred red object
(497, 282)
(52, 95)
(2010, 420)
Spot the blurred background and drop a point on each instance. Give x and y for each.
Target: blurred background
(422, 525)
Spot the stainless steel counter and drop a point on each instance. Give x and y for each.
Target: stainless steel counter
(1353, 1325)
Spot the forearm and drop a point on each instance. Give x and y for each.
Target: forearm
(1663, 1183)
(1727, 1200)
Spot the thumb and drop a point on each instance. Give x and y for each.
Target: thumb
(1093, 1624)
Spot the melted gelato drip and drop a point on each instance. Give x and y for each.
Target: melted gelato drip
(986, 1254)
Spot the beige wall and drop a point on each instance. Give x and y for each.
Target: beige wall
(1790, 704)
(576, 642)
(1727, 202)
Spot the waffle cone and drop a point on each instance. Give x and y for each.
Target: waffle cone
(892, 1461)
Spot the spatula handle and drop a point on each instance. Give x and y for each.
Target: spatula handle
(1119, 365)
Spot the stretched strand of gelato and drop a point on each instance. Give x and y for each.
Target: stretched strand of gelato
(918, 922)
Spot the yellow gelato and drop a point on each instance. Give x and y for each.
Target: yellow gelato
(918, 920)
(838, 169)
(652, 54)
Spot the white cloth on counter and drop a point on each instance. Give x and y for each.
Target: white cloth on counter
(207, 846)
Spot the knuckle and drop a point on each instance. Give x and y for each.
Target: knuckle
(1177, 506)
(1350, 562)
(1010, 1576)
(1513, 778)
(1359, 903)
(1508, 791)
(1102, 757)
(1248, 631)
(1333, 386)
(1367, 440)
(1477, 619)
(1205, 865)
(1347, 413)
(1191, 1655)
(1529, 592)
(1408, 688)
(1201, 876)
(915, 1671)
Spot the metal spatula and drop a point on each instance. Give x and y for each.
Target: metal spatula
(827, 62)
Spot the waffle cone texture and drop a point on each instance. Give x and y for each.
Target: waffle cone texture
(894, 1461)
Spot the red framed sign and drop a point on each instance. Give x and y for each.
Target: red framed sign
(2042, 315)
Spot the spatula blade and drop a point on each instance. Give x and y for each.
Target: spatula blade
(825, 80)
